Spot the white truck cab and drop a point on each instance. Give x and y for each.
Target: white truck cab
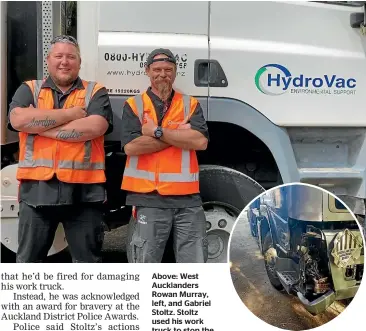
(281, 85)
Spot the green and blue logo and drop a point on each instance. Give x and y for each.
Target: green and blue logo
(275, 79)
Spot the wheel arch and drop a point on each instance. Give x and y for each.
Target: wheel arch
(277, 140)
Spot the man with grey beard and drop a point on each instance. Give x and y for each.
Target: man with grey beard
(161, 132)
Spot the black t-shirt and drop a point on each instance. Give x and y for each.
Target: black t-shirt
(131, 129)
(54, 192)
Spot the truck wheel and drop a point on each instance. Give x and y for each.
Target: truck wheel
(224, 192)
(270, 256)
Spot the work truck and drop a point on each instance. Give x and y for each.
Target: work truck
(312, 245)
(281, 85)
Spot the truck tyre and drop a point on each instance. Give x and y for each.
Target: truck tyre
(270, 255)
(224, 192)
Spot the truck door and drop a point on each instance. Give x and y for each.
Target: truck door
(126, 32)
(298, 63)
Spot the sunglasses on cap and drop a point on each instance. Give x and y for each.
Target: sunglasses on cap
(65, 38)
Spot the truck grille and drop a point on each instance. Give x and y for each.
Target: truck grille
(347, 248)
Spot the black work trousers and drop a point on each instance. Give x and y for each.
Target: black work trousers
(83, 226)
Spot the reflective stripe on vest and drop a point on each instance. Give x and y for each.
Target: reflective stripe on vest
(29, 162)
(37, 90)
(184, 176)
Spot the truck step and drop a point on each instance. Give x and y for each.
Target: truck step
(349, 173)
(288, 278)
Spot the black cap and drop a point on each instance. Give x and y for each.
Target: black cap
(170, 56)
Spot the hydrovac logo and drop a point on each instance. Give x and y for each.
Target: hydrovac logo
(275, 79)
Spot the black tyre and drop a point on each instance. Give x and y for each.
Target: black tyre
(225, 192)
(270, 256)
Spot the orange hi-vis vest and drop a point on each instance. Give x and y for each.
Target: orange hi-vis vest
(72, 162)
(172, 171)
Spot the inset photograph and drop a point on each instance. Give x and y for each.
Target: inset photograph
(296, 256)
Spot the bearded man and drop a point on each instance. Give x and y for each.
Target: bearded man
(161, 132)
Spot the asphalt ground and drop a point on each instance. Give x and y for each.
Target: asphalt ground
(114, 249)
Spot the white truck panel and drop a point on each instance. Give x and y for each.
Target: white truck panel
(308, 39)
(155, 16)
(122, 57)
(87, 32)
(116, 38)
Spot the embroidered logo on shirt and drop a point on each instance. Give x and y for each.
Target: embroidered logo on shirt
(142, 219)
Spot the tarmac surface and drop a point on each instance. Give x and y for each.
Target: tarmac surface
(114, 249)
(253, 287)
